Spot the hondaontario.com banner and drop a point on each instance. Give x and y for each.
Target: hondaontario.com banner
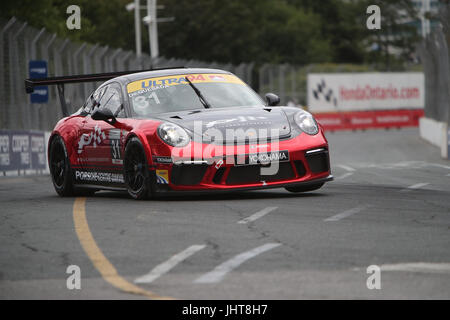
(334, 92)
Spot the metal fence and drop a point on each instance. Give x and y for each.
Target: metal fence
(434, 53)
(20, 43)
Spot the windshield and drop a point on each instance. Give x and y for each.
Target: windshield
(174, 93)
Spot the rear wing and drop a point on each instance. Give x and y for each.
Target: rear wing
(30, 84)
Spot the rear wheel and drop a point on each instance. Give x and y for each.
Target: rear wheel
(60, 168)
(305, 188)
(136, 173)
(61, 172)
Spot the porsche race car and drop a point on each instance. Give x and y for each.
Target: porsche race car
(182, 129)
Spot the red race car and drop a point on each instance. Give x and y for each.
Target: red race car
(182, 129)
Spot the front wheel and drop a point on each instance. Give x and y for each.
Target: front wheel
(136, 173)
(310, 187)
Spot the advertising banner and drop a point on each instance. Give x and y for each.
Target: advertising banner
(22, 150)
(334, 92)
(369, 119)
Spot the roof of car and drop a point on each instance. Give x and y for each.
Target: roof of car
(166, 72)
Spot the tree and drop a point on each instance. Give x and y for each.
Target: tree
(396, 41)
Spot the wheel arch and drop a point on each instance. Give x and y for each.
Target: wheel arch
(53, 136)
(145, 145)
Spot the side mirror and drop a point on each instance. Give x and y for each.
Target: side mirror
(105, 115)
(272, 99)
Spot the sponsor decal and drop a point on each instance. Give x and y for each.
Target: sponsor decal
(162, 159)
(38, 148)
(263, 158)
(266, 158)
(95, 137)
(217, 78)
(99, 176)
(4, 150)
(162, 176)
(21, 144)
(238, 119)
(167, 81)
(93, 159)
(114, 138)
(139, 92)
(369, 119)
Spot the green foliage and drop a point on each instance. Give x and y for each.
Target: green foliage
(397, 35)
(242, 31)
(234, 31)
(105, 22)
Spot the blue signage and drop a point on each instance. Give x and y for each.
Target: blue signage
(20, 150)
(38, 69)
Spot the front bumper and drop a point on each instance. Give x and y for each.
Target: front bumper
(308, 164)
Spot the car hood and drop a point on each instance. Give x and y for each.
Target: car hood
(253, 121)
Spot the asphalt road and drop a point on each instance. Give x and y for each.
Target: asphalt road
(389, 206)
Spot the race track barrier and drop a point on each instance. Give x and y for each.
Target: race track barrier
(354, 120)
(23, 152)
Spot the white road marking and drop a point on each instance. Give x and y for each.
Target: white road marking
(439, 165)
(448, 175)
(166, 266)
(415, 186)
(345, 214)
(345, 175)
(257, 215)
(424, 267)
(221, 270)
(346, 167)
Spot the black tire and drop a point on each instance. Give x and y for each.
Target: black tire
(61, 172)
(136, 173)
(60, 168)
(307, 188)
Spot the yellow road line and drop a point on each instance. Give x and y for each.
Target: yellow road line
(101, 263)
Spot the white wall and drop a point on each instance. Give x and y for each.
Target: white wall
(435, 133)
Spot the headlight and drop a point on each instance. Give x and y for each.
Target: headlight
(173, 134)
(306, 122)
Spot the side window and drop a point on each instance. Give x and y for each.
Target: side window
(97, 96)
(92, 101)
(88, 104)
(112, 100)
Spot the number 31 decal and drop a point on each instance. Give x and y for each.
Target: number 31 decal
(114, 137)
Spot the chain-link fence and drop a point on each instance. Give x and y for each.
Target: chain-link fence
(21, 43)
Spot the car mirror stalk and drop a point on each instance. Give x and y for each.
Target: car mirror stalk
(104, 114)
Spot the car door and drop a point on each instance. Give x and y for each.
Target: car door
(101, 141)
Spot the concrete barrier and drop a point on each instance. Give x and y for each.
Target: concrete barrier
(436, 133)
